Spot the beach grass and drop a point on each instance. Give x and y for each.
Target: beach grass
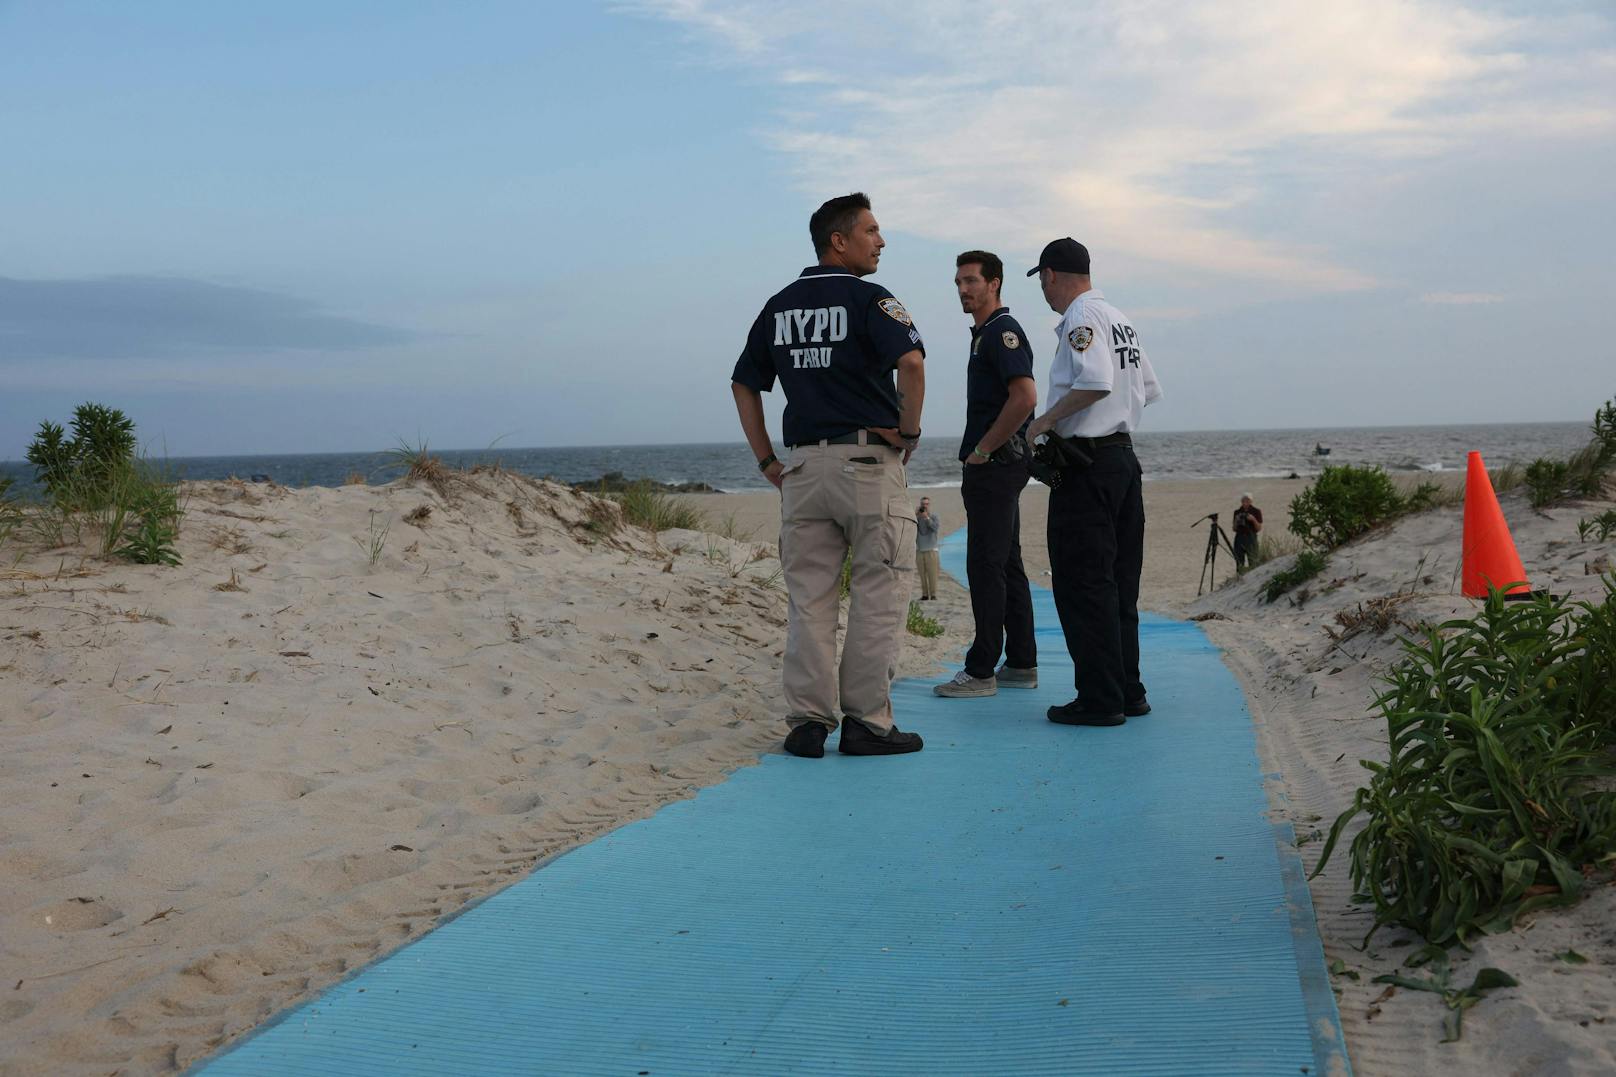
(1308, 564)
(1499, 793)
(645, 506)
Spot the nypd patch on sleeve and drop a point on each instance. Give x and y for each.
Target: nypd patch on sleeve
(1080, 338)
(894, 310)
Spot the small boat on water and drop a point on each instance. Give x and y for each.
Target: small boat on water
(1320, 450)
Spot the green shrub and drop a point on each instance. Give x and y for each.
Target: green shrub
(78, 472)
(1546, 480)
(1585, 473)
(921, 625)
(1601, 526)
(1343, 503)
(1498, 794)
(1429, 495)
(141, 522)
(93, 479)
(1309, 563)
(645, 505)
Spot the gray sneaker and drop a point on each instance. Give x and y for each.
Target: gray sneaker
(965, 686)
(1010, 677)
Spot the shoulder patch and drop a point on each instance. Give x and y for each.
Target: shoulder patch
(1010, 339)
(894, 310)
(1080, 338)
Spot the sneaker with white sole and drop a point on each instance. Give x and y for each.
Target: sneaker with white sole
(965, 686)
(1010, 677)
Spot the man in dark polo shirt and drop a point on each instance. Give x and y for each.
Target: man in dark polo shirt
(834, 341)
(1000, 397)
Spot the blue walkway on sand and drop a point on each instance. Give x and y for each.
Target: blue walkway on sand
(1018, 898)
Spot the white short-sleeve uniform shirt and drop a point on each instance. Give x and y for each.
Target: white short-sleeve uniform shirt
(1098, 348)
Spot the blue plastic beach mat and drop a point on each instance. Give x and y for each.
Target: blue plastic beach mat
(1018, 898)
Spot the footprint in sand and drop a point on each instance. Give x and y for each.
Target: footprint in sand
(78, 914)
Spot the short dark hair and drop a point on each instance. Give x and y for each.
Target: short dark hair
(837, 215)
(992, 267)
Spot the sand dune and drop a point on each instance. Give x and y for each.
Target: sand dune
(228, 783)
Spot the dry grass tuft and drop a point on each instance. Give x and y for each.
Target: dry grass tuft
(232, 584)
(354, 478)
(418, 515)
(230, 539)
(1376, 617)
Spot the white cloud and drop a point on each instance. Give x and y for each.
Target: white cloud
(1461, 299)
(1148, 128)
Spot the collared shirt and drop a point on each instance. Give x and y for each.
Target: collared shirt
(999, 354)
(1097, 347)
(833, 341)
(927, 530)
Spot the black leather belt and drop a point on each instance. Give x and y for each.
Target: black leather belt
(1090, 444)
(852, 437)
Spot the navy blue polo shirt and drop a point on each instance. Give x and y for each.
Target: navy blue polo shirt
(999, 352)
(833, 340)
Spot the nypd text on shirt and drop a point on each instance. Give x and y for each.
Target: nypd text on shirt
(813, 326)
(1126, 345)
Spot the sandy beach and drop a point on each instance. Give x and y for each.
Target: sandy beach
(1175, 533)
(352, 710)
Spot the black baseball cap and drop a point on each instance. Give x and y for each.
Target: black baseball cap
(1063, 256)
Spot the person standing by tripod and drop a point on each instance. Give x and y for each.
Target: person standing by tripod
(1247, 523)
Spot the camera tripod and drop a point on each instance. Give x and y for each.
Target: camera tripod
(1214, 535)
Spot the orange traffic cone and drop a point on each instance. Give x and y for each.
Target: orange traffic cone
(1490, 559)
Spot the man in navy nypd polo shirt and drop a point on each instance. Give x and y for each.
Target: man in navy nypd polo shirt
(834, 342)
(1000, 396)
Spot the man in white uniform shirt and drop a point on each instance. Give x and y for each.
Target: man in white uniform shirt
(1099, 383)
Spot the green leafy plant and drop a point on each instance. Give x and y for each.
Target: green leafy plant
(1343, 503)
(1585, 473)
(141, 522)
(1440, 982)
(1309, 563)
(1497, 796)
(1546, 480)
(79, 471)
(919, 624)
(1600, 527)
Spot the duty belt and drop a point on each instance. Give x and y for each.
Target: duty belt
(852, 437)
(1090, 444)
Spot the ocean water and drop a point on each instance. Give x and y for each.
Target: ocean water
(1219, 454)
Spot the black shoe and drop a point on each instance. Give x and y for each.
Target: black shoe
(859, 739)
(808, 740)
(1137, 709)
(1074, 714)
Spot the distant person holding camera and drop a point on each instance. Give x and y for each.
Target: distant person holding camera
(927, 525)
(1247, 522)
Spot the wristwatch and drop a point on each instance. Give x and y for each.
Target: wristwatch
(763, 464)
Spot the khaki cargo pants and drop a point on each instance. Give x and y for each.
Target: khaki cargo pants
(832, 499)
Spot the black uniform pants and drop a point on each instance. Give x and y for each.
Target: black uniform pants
(1096, 552)
(1001, 599)
(1245, 547)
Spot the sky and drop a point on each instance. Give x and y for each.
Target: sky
(317, 227)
